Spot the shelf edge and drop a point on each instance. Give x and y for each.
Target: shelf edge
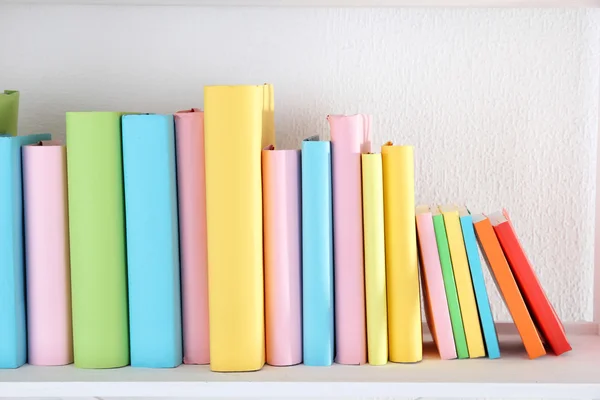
(303, 389)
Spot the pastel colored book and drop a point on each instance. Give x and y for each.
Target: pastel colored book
(458, 330)
(402, 270)
(464, 283)
(542, 312)
(13, 333)
(483, 303)
(9, 112)
(374, 248)
(317, 254)
(507, 286)
(283, 255)
(434, 294)
(234, 135)
(350, 136)
(97, 240)
(152, 233)
(268, 116)
(191, 191)
(49, 325)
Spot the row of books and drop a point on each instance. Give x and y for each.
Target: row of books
(151, 240)
(462, 325)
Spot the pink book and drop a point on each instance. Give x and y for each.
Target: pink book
(191, 188)
(282, 252)
(49, 334)
(350, 136)
(434, 293)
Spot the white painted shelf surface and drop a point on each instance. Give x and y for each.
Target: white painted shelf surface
(572, 375)
(327, 3)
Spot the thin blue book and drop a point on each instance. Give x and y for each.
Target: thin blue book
(317, 254)
(152, 240)
(483, 303)
(13, 332)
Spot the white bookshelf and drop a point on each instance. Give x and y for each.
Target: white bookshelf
(324, 3)
(573, 375)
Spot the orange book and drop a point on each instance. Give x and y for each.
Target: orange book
(507, 285)
(541, 309)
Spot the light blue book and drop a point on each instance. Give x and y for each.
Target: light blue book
(317, 254)
(483, 303)
(152, 240)
(13, 333)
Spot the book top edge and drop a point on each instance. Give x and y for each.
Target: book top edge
(448, 208)
(272, 149)
(478, 217)
(422, 209)
(497, 217)
(45, 144)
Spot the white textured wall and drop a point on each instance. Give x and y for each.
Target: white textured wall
(502, 105)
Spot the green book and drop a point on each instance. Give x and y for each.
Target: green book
(97, 240)
(9, 112)
(458, 329)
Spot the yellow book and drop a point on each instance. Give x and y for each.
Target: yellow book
(268, 136)
(374, 248)
(234, 137)
(402, 270)
(464, 285)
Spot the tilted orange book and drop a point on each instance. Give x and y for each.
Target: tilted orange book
(508, 286)
(544, 315)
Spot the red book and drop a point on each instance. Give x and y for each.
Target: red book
(543, 313)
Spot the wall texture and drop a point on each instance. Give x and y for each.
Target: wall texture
(502, 105)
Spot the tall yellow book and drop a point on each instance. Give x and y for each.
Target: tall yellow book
(234, 137)
(464, 285)
(402, 270)
(374, 248)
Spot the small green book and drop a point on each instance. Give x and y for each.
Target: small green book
(9, 112)
(458, 329)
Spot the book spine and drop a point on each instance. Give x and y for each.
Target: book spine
(539, 307)
(13, 334)
(97, 239)
(350, 136)
(458, 329)
(233, 132)
(191, 186)
(374, 247)
(404, 305)
(268, 116)
(317, 255)
(483, 302)
(464, 285)
(282, 235)
(152, 240)
(49, 338)
(9, 112)
(433, 288)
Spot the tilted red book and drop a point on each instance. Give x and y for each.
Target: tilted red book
(544, 315)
